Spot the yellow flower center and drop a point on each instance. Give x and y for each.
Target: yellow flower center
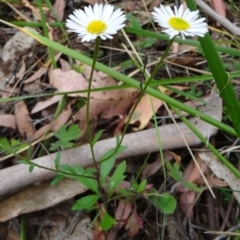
(178, 23)
(96, 27)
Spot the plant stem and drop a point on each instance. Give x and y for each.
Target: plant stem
(89, 131)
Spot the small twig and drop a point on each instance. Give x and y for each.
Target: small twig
(223, 21)
(223, 235)
(226, 217)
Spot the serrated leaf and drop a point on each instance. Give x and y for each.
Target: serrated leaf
(174, 171)
(12, 146)
(191, 186)
(85, 203)
(65, 137)
(165, 202)
(107, 222)
(134, 22)
(56, 180)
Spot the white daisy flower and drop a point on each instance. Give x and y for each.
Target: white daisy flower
(100, 20)
(185, 23)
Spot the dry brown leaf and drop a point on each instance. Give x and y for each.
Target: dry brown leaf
(65, 66)
(191, 173)
(155, 3)
(214, 182)
(187, 200)
(67, 81)
(92, 2)
(44, 104)
(103, 103)
(23, 120)
(222, 172)
(8, 120)
(32, 88)
(36, 75)
(62, 118)
(40, 197)
(40, 132)
(147, 106)
(134, 223)
(59, 7)
(151, 168)
(219, 7)
(35, 11)
(107, 108)
(122, 213)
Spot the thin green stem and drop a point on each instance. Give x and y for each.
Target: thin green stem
(143, 92)
(89, 130)
(23, 227)
(159, 64)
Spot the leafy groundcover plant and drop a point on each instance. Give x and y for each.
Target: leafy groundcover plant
(105, 180)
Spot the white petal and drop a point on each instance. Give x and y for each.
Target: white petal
(89, 13)
(107, 12)
(162, 15)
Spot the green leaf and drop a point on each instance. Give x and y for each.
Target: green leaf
(89, 183)
(142, 186)
(174, 171)
(221, 77)
(65, 137)
(107, 165)
(24, 162)
(97, 136)
(12, 146)
(117, 177)
(124, 192)
(134, 21)
(57, 179)
(148, 42)
(191, 186)
(57, 160)
(85, 203)
(107, 222)
(31, 167)
(165, 202)
(176, 174)
(126, 64)
(61, 106)
(66, 168)
(79, 170)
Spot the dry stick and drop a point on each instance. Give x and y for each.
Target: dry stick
(18, 176)
(222, 20)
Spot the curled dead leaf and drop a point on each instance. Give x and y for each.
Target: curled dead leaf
(23, 120)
